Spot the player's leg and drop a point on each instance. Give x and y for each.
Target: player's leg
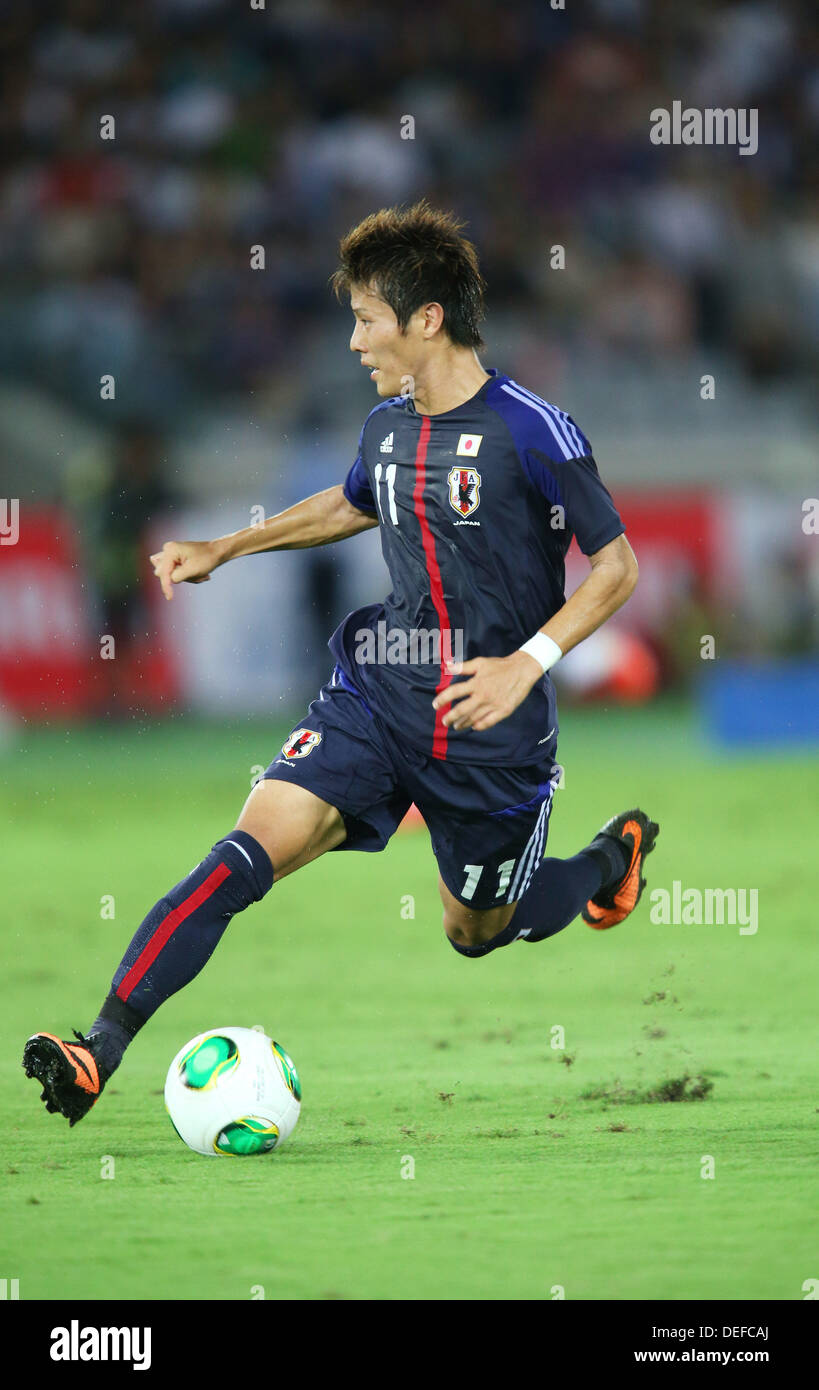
(281, 828)
(331, 787)
(487, 843)
(293, 825)
(469, 926)
(602, 884)
(496, 886)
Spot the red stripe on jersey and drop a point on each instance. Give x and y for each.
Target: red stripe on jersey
(168, 926)
(436, 587)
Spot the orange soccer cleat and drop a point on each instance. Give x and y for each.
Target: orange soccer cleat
(612, 904)
(67, 1071)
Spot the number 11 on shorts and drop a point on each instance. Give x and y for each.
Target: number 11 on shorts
(473, 873)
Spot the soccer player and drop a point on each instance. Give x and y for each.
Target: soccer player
(440, 695)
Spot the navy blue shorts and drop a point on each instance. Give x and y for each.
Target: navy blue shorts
(487, 824)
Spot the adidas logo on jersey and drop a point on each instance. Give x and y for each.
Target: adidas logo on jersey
(386, 444)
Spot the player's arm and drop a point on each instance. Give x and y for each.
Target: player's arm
(497, 685)
(612, 580)
(326, 516)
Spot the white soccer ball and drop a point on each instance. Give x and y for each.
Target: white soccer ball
(233, 1091)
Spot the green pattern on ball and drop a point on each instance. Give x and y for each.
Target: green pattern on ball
(291, 1076)
(207, 1061)
(247, 1136)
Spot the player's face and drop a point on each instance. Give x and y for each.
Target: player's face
(390, 355)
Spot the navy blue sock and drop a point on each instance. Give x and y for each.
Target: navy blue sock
(556, 894)
(178, 937)
(562, 887)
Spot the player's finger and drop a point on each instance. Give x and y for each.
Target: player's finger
(184, 572)
(480, 715)
(464, 716)
(460, 724)
(456, 691)
(163, 574)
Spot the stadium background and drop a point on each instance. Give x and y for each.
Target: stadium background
(235, 389)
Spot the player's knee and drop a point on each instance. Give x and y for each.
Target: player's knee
(464, 928)
(468, 929)
(292, 825)
(456, 933)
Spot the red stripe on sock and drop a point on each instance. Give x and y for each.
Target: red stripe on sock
(436, 587)
(167, 927)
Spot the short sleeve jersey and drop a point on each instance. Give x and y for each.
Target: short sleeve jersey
(477, 508)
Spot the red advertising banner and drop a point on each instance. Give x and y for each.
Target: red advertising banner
(678, 538)
(47, 648)
(52, 660)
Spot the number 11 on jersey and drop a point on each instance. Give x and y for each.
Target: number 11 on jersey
(389, 478)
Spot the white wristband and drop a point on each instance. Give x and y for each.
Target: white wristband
(543, 649)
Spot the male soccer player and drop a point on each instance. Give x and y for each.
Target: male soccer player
(477, 486)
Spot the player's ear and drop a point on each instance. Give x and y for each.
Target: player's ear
(433, 318)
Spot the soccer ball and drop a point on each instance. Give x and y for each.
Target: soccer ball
(233, 1091)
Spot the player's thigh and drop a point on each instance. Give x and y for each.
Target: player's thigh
(486, 861)
(470, 926)
(332, 785)
(293, 825)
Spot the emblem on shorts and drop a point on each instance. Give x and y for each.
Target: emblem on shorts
(464, 490)
(300, 743)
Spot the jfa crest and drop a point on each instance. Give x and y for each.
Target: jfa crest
(300, 743)
(464, 490)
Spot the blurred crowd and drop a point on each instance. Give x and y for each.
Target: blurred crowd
(280, 126)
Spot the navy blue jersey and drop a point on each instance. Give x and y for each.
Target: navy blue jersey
(477, 508)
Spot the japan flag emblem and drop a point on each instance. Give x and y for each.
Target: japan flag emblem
(468, 445)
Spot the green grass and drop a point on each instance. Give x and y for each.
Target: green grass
(406, 1050)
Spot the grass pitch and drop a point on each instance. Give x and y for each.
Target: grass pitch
(537, 1168)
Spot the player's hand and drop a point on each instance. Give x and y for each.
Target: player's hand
(495, 688)
(184, 562)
